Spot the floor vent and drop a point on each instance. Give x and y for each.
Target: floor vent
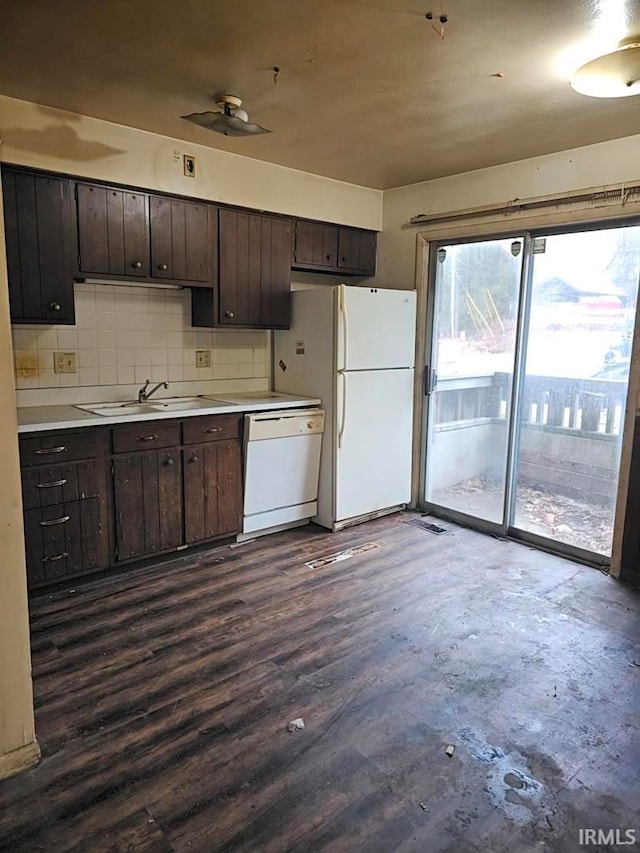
(342, 555)
(425, 525)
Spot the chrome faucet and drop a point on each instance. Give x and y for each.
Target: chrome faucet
(144, 395)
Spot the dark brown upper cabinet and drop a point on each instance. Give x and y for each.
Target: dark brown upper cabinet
(357, 251)
(334, 249)
(254, 273)
(113, 232)
(181, 242)
(315, 245)
(39, 242)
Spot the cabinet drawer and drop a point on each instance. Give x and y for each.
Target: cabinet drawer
(60, 447)
(64, 539)
(54, 484)
(146, 436)
(210, 428)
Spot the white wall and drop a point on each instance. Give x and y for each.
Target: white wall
(59, 141)
(580, 168)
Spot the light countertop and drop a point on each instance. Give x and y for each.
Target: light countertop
(39, 418)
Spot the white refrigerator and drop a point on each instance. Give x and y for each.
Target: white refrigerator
(354, 348)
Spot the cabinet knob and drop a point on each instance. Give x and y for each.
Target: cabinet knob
(55, 306)
(169, 461)
(229, 314)
(344, 259)
(329, 257)
(194, 458)
(137, 265)
(162, 267)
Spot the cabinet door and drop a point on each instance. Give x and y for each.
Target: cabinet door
(180, 242)
(212, 490)
(148, 503)
(38, 229)
(254, 269)
(315, 245)
(357, 250)
(113, 231)
(64, 540)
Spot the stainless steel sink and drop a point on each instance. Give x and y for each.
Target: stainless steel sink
(110, 409)
(168, 404)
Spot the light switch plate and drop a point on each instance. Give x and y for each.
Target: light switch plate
(64, 362)
(203, 358)
(189, 165)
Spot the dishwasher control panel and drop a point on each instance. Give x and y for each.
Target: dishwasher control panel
(290, 422)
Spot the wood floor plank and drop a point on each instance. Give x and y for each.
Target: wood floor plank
(163, 696)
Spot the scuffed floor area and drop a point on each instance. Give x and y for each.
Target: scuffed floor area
(163, 699)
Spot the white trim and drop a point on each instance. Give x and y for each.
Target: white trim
(19, 759)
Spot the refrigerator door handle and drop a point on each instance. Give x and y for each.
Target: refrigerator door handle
(343, 416)
(345, 326)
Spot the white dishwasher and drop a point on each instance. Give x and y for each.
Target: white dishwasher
(281, 469)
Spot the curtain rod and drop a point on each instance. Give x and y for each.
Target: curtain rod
(598, 196)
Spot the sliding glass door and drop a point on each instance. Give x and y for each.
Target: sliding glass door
(470, 376)
(526, 383)
(577, 348)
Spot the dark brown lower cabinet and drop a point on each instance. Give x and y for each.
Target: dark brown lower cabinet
(173, 483)
(212, 490)
(64, 498)
(64, 540)
(147, 496)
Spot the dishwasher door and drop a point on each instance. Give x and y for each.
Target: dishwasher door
(282, 462)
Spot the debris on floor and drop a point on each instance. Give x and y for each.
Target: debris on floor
(582, 522)
(296, 725)
(450, 750)
(341, 555)
(423, 806)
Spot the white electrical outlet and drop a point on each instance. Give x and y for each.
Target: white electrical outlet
(203, 358)
(64, 362)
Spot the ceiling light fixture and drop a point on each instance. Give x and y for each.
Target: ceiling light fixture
(612, 75)
(230, 121)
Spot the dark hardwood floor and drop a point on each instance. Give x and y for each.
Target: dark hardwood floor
(163, 697)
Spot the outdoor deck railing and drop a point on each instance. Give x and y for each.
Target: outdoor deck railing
(577, 406)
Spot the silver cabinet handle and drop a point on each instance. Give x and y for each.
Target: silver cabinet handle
(212, 429)
(229, 314)
(55, 306)
(46, 450)
(169, 461)
(56, 557)
(61, 520)
(137, 265)
(146, 437)
(163, 267)
(51, 484)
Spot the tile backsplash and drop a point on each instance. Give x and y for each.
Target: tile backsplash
(125, 335)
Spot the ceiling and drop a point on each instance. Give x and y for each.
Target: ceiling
(368, 91)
